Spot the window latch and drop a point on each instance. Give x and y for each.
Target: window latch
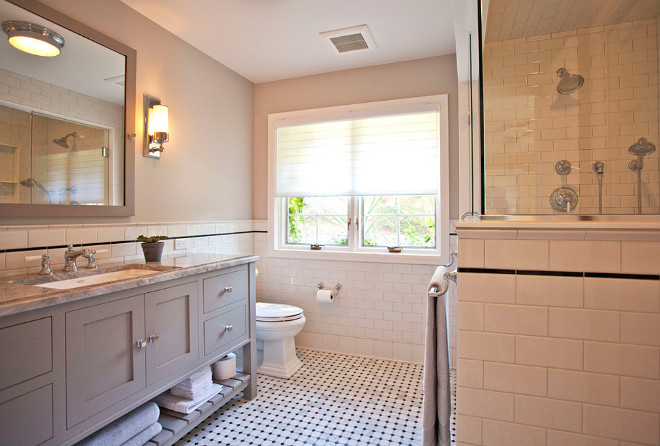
(315, 247)
(349, 222)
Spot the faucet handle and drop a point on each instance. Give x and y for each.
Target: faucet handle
(90, 255)
(45, 266)
(69, 248)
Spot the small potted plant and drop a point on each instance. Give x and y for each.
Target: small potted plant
(152, 247)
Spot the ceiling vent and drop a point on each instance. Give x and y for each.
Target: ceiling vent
(117, 80)
(355, 38)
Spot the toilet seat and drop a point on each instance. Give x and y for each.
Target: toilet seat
(270, 312)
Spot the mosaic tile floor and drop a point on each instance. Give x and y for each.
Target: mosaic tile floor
(334, 399)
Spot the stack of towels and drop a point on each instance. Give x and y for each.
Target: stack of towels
(190, 393)
(133, 429)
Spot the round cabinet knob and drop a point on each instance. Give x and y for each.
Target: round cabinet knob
(140, 344)
(153, 338)
(229, 289)
(229, 328)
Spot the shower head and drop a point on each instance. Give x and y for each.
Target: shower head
(62, 141)
(31, 182)
(642, 147)
(569, 83)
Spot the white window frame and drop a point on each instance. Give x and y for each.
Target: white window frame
(277, 207)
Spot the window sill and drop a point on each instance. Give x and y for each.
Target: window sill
(402, 257)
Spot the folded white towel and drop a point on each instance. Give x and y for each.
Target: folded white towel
(197, 380)
(202, 375)
(192, 393)
(183, 405)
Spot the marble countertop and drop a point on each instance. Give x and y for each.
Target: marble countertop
(18, 297)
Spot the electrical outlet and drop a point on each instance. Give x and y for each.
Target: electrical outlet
(182, 243)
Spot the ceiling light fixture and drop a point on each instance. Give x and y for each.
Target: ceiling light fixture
(33, 39)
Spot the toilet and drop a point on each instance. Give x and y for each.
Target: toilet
(277, 324)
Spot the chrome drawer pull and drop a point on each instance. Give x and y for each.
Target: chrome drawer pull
(152, 339)
(229, 289)
(229, 328)
(141, 344)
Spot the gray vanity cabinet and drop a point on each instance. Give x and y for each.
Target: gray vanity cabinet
(26, 382)
(171, 317)
(117, 348)
(67, 370)
(103, 362)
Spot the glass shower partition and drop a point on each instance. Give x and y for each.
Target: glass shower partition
(570, 107)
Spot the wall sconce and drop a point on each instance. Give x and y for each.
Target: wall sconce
(156, 127)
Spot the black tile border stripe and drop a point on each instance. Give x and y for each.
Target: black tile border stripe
(119, 242)
(550, 273)
(623, 276)
(486, 270)
(524, 272)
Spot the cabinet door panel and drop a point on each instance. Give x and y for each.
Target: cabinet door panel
(103, 364)
(25, 351)
(172, 315)
(231, 326)
(28, 419)
(225, 289)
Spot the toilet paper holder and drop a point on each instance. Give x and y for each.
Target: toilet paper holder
(336, 287)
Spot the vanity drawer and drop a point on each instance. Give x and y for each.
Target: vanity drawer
(28, 419)
(25, 351)
(222, 331)
(225, 289)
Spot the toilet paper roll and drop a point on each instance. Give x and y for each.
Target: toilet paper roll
(326, 296)
(224, 368)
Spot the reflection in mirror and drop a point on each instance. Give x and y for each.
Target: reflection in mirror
(575, 82)
(62, 118)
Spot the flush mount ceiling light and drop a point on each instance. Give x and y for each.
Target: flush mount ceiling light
(355, 38)
(33, 39)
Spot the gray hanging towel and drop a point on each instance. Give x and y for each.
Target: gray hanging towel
(436, 411)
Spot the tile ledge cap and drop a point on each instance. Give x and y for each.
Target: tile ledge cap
(558, 226)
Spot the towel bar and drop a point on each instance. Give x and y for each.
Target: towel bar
(434, 292)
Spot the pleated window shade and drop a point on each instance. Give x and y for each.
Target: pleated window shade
(393, 153)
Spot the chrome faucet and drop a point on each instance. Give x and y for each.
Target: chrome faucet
(70, 257)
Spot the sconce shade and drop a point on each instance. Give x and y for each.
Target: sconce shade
(158, 120)
(33, 39)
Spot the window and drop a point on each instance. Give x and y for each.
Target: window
(317, 220)
(405, 221)
(360, 178)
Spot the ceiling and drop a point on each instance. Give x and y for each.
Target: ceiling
(267, 40)
(511, 19)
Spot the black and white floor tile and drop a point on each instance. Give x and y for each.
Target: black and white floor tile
(334, 399)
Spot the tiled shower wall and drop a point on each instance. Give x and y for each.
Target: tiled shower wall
(559, 337)
(529, 126)
(380, 311)
(38, 96)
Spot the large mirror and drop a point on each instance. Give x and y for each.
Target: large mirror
(571, 107)
(64, 149)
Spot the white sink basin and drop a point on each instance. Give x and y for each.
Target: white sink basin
(97, 279)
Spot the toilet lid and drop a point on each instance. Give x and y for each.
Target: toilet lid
(277, 312)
